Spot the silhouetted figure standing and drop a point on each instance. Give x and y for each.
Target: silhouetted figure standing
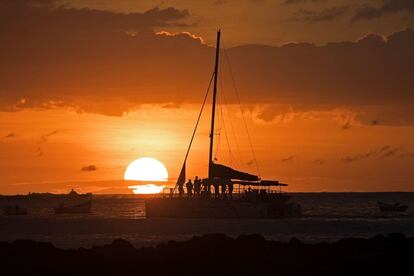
(206, 193)
(230, 190)
(197, 186)
(206, 186)
(216, 190)
(223, 190)
(189, 186)
(181, 189)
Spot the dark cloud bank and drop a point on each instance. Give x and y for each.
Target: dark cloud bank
(327, 14)
(386, 8)
(106, 62)
(361, 12)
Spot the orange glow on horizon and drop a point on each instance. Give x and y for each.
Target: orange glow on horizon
(147, 189)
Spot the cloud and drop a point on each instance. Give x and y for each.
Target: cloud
(43, 139)
(39, 13)
(39, 152)
(346, 126)
(387, 7)
(287, 159)
(407, 154)
(111, 63)
(290, 2)
(89, 168)
(276, 113)
(327, 14)
(10, 135)
(388, 151)
(219, 3)
(171, 105)
(280, 114)
(379, 153)
(83, 58)
(320, 162)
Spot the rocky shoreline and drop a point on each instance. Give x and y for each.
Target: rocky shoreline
(215, 254)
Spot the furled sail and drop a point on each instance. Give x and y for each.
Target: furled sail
(224, 172)
(181, 178)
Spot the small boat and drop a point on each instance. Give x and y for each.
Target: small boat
(15, 210)
(396, 207)
(83, 208)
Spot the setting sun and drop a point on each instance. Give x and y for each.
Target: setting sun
(146, 169)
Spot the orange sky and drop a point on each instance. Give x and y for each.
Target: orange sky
(307, 153)
(105, 87)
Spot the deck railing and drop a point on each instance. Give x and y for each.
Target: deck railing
(238, 192)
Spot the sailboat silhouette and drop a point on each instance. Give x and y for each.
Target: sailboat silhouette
(257, 200)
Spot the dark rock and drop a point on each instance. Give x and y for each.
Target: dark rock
(215, 254)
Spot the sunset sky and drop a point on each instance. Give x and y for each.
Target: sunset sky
(88, 86)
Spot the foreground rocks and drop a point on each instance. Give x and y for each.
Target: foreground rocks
(215, 254)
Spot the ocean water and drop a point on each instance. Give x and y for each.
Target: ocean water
(327, 217)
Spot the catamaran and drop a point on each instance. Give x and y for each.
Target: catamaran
(255, 197)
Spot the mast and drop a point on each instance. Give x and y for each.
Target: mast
(213, 111)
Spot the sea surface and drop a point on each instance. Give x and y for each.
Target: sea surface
(327, 217)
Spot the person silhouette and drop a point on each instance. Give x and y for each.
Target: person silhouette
(230, 186)
(223, 190)
(216, 190)
(189, 186)
(197, 186)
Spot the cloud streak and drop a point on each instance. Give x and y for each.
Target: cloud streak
(387, 7)
(327, 14)
(10, 135)
(287, 159)
(294, 2)
(43, 139)
(89, 168)
(380, 153)
(320, 162)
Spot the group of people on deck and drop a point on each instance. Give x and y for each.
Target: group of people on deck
(202, 188)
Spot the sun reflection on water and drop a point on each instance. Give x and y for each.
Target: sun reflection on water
(147, 189)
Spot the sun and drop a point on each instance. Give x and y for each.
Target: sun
(146, 169)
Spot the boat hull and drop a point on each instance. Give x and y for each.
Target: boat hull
(202, 208)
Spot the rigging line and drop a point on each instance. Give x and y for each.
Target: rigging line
(199, 117)
(198, 121)
(236, 140)
(227, 137)
(225, 133)
(241, 109)
(222, 123)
